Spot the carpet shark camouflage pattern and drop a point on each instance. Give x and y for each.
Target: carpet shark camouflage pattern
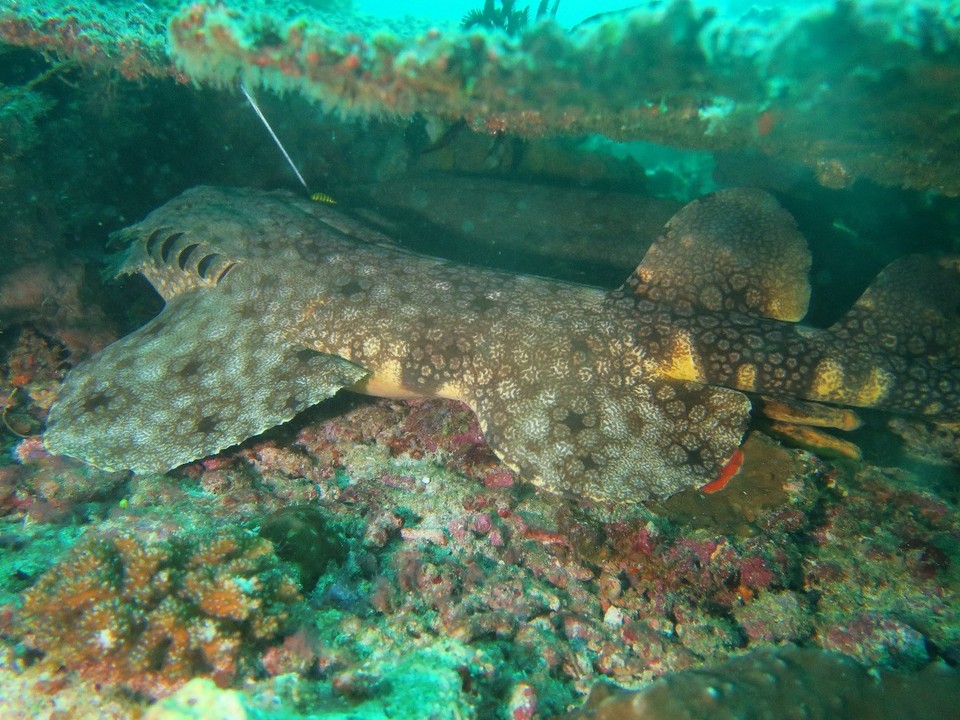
(274, 303)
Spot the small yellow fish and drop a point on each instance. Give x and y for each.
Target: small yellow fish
(323, 197)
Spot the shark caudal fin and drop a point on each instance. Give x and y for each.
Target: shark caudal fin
(898, 348)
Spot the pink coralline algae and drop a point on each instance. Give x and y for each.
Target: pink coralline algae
(441, 541)
(436, 551)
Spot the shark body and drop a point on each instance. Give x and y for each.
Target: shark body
(274, 303)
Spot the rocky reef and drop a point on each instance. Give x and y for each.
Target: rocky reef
(372, 558)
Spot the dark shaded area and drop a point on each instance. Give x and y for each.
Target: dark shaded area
(108, 151)
(303, 537)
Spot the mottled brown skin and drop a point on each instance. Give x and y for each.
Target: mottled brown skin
(274, 303)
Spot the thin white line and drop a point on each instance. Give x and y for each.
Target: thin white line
(263, 119)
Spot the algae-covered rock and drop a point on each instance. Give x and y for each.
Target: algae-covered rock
(782, 682)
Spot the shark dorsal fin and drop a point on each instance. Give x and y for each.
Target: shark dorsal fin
(912, 307)
(900, 341)
(731, 251)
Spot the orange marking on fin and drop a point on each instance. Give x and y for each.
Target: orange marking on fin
(729, 470)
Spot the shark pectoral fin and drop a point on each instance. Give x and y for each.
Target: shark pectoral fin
(731, 251)
(622, 444)
(191, 382)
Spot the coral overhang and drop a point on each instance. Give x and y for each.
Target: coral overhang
(822, 87)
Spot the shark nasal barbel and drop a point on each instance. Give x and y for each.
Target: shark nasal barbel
(274, 303)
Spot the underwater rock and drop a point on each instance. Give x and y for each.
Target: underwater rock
(778, 682)
(932, 442)
(575, 234)
(200, 698)
(302, 536)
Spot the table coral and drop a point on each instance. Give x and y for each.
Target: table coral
(863, 89)
(669, 73)
(119, 36)
(149, 614)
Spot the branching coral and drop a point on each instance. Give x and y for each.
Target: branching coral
(150, 614)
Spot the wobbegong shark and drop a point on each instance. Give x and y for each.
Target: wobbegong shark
(274, 303)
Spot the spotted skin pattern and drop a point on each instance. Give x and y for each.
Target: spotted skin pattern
(275, 303)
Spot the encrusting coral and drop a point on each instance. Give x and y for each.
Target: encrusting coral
(674, 73)
(148, 614)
